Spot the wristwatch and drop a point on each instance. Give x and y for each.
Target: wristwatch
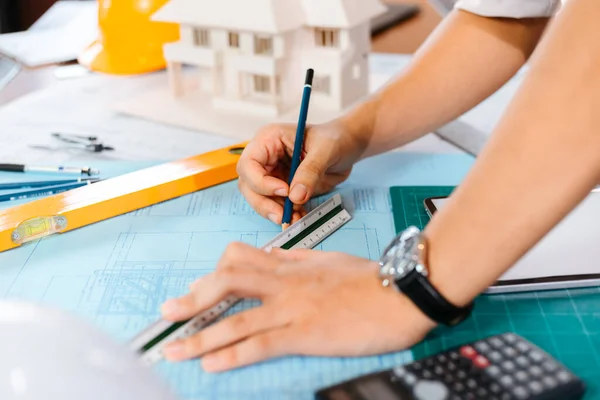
(403, 265)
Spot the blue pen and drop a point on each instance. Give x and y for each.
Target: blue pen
(43, 191)
(289, 206)
(37, 184)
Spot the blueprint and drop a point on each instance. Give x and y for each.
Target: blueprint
(118, 272)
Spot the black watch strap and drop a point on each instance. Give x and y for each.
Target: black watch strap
(431, 302)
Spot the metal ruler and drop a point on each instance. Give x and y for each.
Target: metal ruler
(307, 233)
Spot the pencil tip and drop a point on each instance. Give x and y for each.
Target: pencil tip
(284, 226)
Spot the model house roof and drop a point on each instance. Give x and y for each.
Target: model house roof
(269, 16)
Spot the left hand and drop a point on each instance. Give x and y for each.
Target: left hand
(313, 303)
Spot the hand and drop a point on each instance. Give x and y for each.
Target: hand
(312, 303)
(264, 167)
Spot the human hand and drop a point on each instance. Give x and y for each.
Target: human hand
(328, 155)
(312, 303)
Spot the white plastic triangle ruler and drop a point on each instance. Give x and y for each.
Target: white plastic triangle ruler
(306, 233)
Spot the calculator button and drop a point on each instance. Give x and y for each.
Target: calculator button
(550, 366)
(438, 370)
(410, 379)
(535, 371)
(470, 396)
(471, 383)
(493, 371)
(461, 374)
(563, 376)
(520, 392)
(510, 338)
(506, 380)
(481, 362)
(508, 366)
(495, 388)
(510, 352)
(536, 356)
(442, 358)
(535, 387)
(454, 355)
(481, 393)
(448, 378)
(506, 396)
(496, 342)
(482, 347)
(522, 361)
(399, 371)
(521, 376)
(522, 347)
(468, 351)
(549, 382)
(429, 362)
(458, 387)
(427, 374)
(430, 390)
(495, 356)
(451, 366)
(416, 366)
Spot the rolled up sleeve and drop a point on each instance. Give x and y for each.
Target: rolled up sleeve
(510, 8)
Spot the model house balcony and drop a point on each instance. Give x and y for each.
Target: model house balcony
(260, 65)
(194, 55)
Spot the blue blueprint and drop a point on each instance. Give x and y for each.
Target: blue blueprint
(117, 273)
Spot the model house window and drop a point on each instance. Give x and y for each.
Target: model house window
(201, 38)
(327, 37)
(234, 40)
(356, 71)
(263, 45)
(262, 83)
(322, 84)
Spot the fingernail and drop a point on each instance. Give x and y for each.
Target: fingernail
(174, 351)
(170, 307)
(281, 192)
(274, 218)
(212, 363)
(298, 193)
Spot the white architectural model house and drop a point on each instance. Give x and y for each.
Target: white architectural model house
(252, 55)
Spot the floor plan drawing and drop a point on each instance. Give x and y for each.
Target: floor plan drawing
(118, 272)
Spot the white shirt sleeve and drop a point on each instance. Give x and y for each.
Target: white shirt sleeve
(510, 8)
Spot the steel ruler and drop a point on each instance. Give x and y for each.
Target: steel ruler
(307, 233)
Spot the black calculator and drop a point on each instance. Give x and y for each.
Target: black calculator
(500, 367)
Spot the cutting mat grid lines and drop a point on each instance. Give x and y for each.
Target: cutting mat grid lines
(565, 323)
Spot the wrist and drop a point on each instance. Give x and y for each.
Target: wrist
(359, 125)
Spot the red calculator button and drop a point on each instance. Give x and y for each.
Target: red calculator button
(481, 362)
(468, 351)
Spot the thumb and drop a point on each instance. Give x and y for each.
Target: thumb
(307, 176)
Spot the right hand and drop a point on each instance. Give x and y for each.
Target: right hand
(328, 155)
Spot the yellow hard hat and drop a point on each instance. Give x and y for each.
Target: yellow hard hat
(128, 41)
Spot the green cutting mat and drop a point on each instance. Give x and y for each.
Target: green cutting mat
(565, 323)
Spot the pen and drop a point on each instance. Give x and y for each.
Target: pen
(44, 191)
(37, 184)
(288, 207)
(59, 169)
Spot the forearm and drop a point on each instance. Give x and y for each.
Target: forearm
(542, 160)
(464, 61)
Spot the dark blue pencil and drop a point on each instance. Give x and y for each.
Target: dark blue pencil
(288, 208)
(42, 191)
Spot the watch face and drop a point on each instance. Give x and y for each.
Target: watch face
(401, 256)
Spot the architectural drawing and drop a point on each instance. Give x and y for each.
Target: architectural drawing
(134, 262)
(252, 61)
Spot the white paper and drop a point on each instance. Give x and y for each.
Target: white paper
(50, 44)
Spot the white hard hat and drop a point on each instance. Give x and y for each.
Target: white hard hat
(48, 354)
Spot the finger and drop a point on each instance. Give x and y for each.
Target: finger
(265, 345)
(264, 206)
(214, 288)
(225, 333)
(293, 255)
(307, 177)
(240, 256)
(254, 166)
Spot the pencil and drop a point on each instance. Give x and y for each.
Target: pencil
(288, 207)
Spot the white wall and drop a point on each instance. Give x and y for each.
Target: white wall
(355, 88)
